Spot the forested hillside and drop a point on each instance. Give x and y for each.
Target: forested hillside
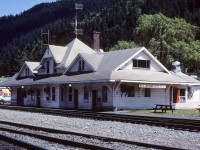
(117, 20)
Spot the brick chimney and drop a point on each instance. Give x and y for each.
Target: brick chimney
(96, 41)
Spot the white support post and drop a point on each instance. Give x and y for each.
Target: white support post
(166, 92)
(117, 86)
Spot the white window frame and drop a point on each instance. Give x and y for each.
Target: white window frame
(81, 65)
(27, 72)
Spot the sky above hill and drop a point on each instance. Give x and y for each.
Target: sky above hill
(13, 7)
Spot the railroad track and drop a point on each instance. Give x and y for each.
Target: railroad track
(72, 138)
(20, 144)
(175, 123)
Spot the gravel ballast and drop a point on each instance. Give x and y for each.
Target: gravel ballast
(127, 131)
(7, 146)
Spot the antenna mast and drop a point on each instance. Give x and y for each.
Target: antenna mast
(77, 31)
(47, 34)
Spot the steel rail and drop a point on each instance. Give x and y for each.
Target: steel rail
(106, 139)
(20, 143)
(175, 123)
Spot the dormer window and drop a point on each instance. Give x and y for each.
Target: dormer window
(141, 63)
(27, 72)
(55, 70)
(81, 65)
(47, 63)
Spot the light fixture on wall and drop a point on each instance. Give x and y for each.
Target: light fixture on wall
(22, 87)
(70, 85)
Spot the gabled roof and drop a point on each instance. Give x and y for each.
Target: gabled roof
(12, 81)
(107, 62)
(58, 52)
(149, 54)
(89, 63)
(185, 77)
(30, 65)
(106, 68)
(111, 60)
(93, 59)
(73, 49)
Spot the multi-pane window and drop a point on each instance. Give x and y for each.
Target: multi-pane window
(27, 72)
(141, 63)
(53, 93)
(131, 91)
(62, 94)
(55, 70)
(70, 93)
(47, 93)
(48, 65)
(81, 65)
(86, 94)
(182, 96)
(147, 92)
(104, 93)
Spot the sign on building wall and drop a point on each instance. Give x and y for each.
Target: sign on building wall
(156, 86)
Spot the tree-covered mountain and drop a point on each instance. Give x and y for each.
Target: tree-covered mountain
(20, 37)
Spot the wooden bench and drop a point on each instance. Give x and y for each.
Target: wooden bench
(163, 107)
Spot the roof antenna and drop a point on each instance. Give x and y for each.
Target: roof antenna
(77, 31)
(46, 34)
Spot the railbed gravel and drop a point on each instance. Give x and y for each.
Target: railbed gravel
(38, 142)
(8, 146)
(92, 141)
(126, 131)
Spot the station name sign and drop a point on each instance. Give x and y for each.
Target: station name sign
(156, 86)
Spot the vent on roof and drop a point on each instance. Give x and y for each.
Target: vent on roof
(176, 66)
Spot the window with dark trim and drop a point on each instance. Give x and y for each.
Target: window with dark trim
(70, 93)
(86, 94)
(147, 92)
(24, 94)
(141, 63)
(27, 72)
(55, 70)
(131, 91)
(48, 65)
(47, 93)
(104, 93)
(182, 92)
(53, 93)
(62, 94)
(81, 65)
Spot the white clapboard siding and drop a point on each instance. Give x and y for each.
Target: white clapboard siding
(143, 56)
(23, 74)
(75, 66)
(187, 105)
(51, 66)
(50, 103)
(139, 101)
(87, 104)
(191, 102)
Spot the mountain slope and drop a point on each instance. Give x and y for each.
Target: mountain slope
(20, 37)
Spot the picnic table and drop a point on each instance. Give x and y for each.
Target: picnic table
(198, 108)
(163, 107)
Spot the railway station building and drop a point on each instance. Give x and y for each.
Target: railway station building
(76, 76)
